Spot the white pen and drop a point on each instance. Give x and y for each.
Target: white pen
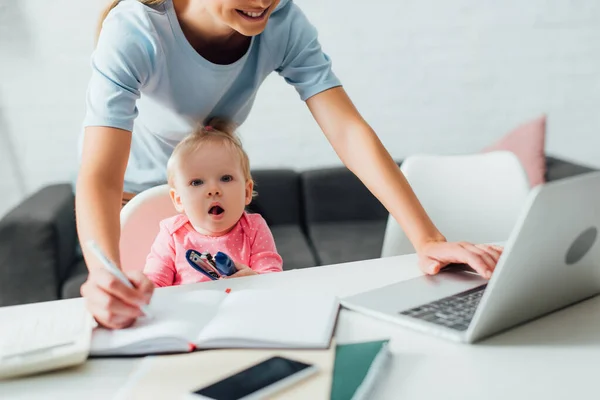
(113, 269)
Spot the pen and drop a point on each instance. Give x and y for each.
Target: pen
(113, 269)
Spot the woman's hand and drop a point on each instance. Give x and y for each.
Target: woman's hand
(113, 304)
(435, 255)
(243, 270)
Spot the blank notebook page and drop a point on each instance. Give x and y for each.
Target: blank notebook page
(273, 318)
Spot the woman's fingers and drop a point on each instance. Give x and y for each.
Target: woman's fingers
(431, 268)
(494, 251)
(113, 286)
(106, 309)
(111, 302)
(142, 284)
(439, 254)
(116, 317)
(464, 254)
(486, 257)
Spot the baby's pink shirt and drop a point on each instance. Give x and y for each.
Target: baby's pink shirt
(250, 242)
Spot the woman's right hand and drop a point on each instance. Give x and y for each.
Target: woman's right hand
(113, 304)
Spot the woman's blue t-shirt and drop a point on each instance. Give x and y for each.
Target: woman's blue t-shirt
(148, 79)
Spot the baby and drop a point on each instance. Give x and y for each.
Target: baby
(210, 185)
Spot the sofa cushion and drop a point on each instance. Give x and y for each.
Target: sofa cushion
(527, 142)
(37, 246)
(338, 242)
(279, 203)
(278, 199)
(335, 195)
(292, 246)
(72, 285)
(557, 168)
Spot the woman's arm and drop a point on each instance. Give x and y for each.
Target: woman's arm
(361, 151)
(98, 205)
(99, 189)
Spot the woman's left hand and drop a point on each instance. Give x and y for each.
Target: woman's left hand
(435, 255)
(243, 270)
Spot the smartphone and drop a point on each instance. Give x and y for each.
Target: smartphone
(258, 381)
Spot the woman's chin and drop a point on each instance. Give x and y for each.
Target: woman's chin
(252, 29)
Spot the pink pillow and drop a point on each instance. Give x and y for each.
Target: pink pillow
(527, 143)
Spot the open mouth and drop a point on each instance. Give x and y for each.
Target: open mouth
(253, 15)
(216, 210)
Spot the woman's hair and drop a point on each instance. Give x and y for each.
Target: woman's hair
(113, 4)
(216, 129)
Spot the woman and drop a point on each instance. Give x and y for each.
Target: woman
(162, 66)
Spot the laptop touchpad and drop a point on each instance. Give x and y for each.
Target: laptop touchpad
(425, 289)
(417, 291)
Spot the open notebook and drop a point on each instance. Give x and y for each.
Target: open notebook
(207, 319)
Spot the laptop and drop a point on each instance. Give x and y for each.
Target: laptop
(550, 261)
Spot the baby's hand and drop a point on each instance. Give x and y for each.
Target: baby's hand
(243, 270)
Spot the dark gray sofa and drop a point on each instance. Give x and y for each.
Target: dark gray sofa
(318, 217)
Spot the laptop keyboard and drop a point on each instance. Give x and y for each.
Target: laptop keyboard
(453, 312)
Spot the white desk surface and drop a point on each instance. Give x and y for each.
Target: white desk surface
(554, 357)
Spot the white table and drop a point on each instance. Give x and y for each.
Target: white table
(555, 357)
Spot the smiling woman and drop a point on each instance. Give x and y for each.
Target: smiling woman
(160, 67)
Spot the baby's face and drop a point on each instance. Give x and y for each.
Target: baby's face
(210, 188)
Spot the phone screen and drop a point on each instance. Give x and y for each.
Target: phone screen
(253, 379)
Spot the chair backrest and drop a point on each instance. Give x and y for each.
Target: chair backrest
(140, 219)
(475, 198)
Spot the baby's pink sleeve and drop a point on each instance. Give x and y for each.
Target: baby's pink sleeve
(160, 263)
(264, 257)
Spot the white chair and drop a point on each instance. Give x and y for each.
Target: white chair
(140, 219)
(475, 198)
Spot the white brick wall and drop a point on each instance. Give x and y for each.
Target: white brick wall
(428, 75)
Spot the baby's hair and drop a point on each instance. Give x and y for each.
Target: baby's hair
(216, 129)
